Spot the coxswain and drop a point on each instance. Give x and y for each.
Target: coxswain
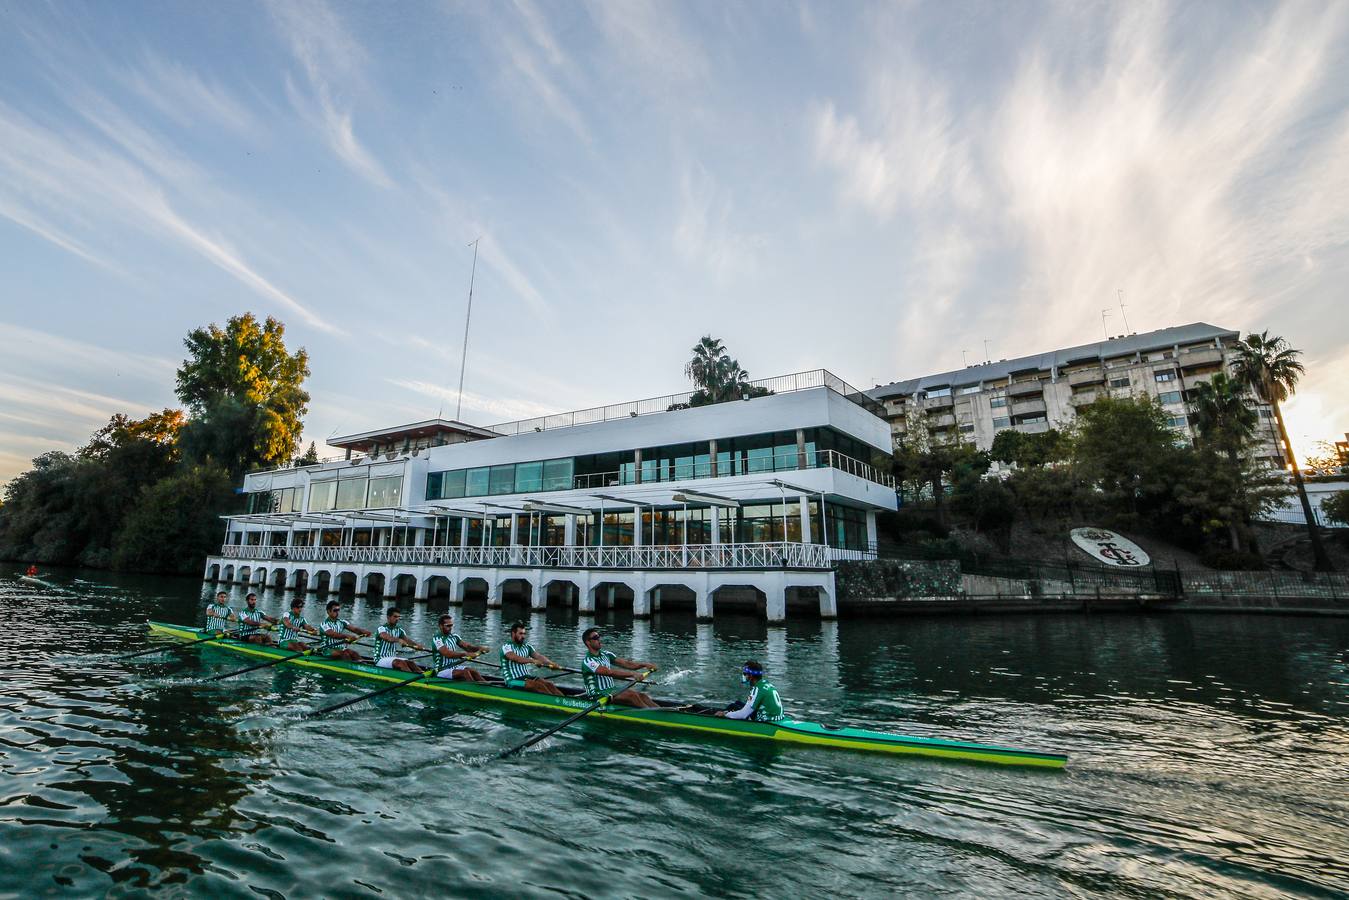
(763, 703)
(450, 652)
(335, 632)
(388, 638)
(32, 571)
(292, 625)
(516, 659)
(251, 622)
(218, 613)
(599, 668)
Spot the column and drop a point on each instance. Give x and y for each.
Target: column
(569, 530)
(716, 524)
(828, 601)
(493, 589)
(712, 450)
(637, 526)
(801, 461)
(463, 532)
(703, 602)
(588, 602)
(637, 468)
(776, 595)
(641, 606)
(871, 529)
(390, 584)
(805, 519)
(423, 589)
(610, 596)
(538, 596)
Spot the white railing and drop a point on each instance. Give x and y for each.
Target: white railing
(773, 555)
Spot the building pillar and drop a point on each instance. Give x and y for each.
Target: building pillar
(776, 606)
(828, 603)
(702, 602)
(515, 529)
(805, 519)
(637, 527)
(463, 532)
(637, 467)
(712, 455)
(423, 589)
(610, 596)
(655, 600)
(716, 524)
(311, 583)
(538, 595)
(569, 530)
(492, 577)
(390, 584)
(801, 461)
(871, 530)
(588, 602)
(641, 605)
(456, 590)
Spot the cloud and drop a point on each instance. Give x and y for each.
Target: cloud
(496, 406)
(184, 96)
(333, 63)
(704, 233)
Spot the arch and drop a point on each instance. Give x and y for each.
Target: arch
(561, 591)
(435, 587)
(475, 584)
(404, 585)
(739, 596)
(515, 586)
(245, 574)
(213, 572)
(372, 582)
(227, 575)
(323, 580)
(299, 580)
(345, 581)
(614, 594)
(259, 576)
(671, 595)
(277, 579)
(807, 600)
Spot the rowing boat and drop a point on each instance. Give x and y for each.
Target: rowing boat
(29, 579)
(686, 717)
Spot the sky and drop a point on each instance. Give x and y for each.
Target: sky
(872, 189)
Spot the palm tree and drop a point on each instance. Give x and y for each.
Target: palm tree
(1226, 426)
(706, 366)
(1271, 369)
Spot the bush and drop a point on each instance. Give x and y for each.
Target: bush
(1336, 507)
(1232, 560)
(176, 522)
(910, 524)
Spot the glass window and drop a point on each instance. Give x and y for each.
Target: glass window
(1176, 421)
(322, 496)
(475, 482)
(433, 481)
(1029, 420)
(1120, 382)
(1168, 397)
(557, 474)
(1169, 375)
(969, 389)
(528, 477)
(501, 479)
(385, 492)
(1002, 421)
(939, 392)
(453, 484)
(351, 493)
(997, 402)
(965, 429)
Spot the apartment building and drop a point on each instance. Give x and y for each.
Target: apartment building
(1035, 393)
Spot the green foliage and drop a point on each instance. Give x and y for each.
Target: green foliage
(987, 503)
(1028, 451)
(1336, 507)
(245, 393)
(310, 458)
(1125, 451)
(176, 522)
(716, 376)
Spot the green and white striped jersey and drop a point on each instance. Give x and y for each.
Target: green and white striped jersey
(291, 626)
(451, 640)
(331, 624)
(514, 671)
(386, 641)
(597, 685)
(250, 621)
(217, 617)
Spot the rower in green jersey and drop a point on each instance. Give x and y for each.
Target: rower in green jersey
(218, 613)
(292, 625)
(763, 703)
(251, 622)
(599, 668)
(336, 632)
(516, 659)
(388, 638)
(450, 652)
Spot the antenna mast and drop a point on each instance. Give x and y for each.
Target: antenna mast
(1120, 294)
(463, 356)
(1105, 333)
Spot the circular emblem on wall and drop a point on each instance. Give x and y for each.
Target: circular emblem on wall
(1109, 548)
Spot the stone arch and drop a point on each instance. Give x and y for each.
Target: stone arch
(323, 580)
(345, 581)
(213, 572)
(517, 586)
(260, 576)
(671, 595)
(405, 585)
(277, 578)
(436, 587)
(372, 582)
(738, 595)
(613, 593)
(227, 575)
(561, 591)
(474, 583)
(245, 575)
(299, 580)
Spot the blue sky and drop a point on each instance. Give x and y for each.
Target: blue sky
(870, 189)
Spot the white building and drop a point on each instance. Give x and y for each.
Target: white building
(645, 500)
(1034, 393)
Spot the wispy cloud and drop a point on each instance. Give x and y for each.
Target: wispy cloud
(333, 63)
(705, 233)
(493, 407)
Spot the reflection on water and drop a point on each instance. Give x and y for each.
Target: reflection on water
(1208, 757)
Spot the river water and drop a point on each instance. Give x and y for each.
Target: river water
(1209, 757)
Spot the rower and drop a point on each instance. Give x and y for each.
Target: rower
(337, 631)
(292, 625)
(251, 622)
(450, 650)
(518, 656)
(388, 638)
(32, 571)
(599, 668)
(763, 703)
(219, 614)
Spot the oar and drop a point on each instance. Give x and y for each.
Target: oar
(384, 690)
(567, 721)
(262, 665)
(161, 649)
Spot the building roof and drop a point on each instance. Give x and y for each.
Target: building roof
(430, 427)
(1125, 345)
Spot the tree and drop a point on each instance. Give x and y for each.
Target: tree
(1227, 491)
(1336, 507)
(931, 466)
(310, 458)
(717, 376)
(245, 393)
(1125, 450)
(1029, 450)
(160, 429)
(176, 522)
(1270, 367)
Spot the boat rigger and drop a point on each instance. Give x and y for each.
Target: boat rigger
(690, 717)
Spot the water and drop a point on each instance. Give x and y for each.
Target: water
(1210, 757)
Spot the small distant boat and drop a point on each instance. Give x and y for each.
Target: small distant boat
(695, 718)
(38, 581)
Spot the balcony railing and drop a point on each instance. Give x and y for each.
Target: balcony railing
(772, 555)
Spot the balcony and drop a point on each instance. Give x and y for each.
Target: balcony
(1032, 427)
(1083, 377)
(1025, 388)
(945, 420)
(1200, 357)
(770, 555)
(1028, 407)
(932, 404)
(1086, 398)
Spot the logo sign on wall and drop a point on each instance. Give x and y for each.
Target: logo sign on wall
(1109, 548)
